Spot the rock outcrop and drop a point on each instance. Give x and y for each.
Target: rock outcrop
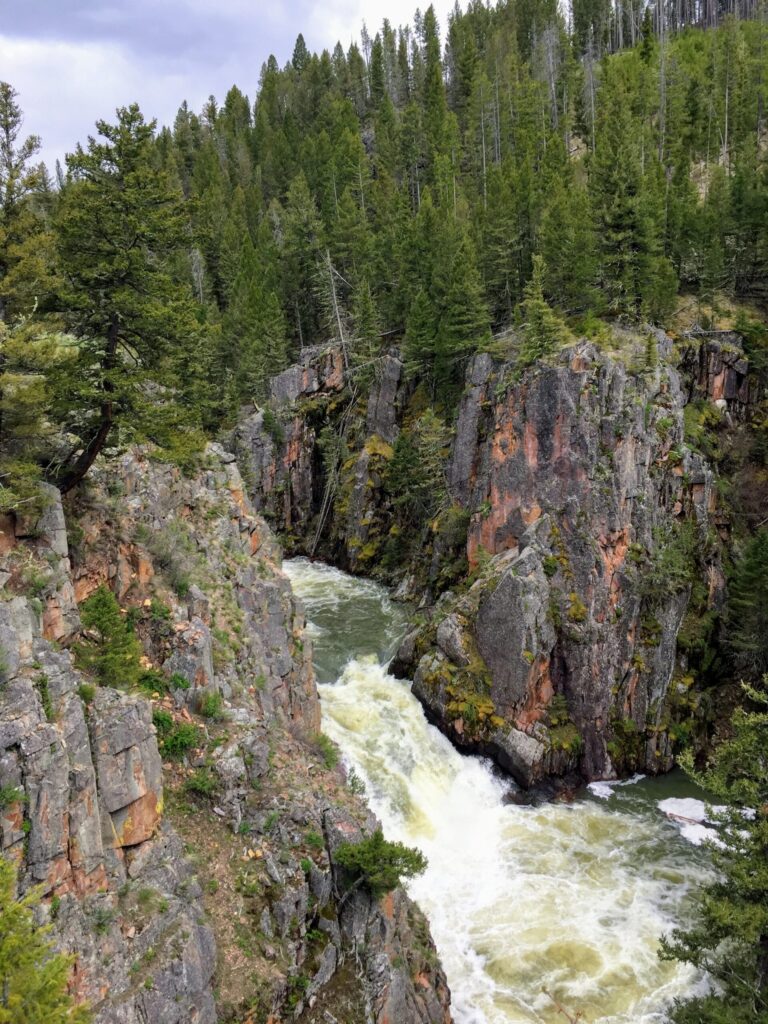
(174, 871)
(589, 514)
(82, 807)
(587, 508)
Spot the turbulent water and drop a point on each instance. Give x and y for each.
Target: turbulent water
(529, 906)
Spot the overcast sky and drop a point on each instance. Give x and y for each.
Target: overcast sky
(73, 61)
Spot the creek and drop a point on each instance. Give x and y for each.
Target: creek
(529, 906)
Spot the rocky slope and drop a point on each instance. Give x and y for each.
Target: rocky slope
(588, 520)
(199, 887)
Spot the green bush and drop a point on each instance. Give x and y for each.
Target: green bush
(378, 865)
(174, 553)
(152, 681)
(45, 696)
(201, 782)
(163, 721)
(175, 739)
(273, 426)
(10, 795)
(327, 749)
(211, 705)
(315, 840)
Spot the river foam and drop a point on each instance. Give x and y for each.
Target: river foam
(529, 906)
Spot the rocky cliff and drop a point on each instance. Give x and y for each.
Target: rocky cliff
(184, 834)
(588, 523)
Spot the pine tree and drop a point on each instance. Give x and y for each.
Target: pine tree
(254, 334)
(748, 608)
(420, 335)
(300, 58)
(27, 257)
(729, 936)
(435, 106)
(119, 225)
(378, 864)
(376, 74)
(568, 246)
(110, 649)
(636, 276)
(501, 251)
(33, 977)
(366, 332)
(301, 252)
(457, 293)
(543, 330)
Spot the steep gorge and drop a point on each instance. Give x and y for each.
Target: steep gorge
(581, 533)
(194, 883)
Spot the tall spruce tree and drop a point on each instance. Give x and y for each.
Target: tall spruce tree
(27, 258)
(543, 330)
(119, 225)
(729, 935)
(33, 977)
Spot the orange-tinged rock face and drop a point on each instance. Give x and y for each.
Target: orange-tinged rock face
(7, 534)
(531, 445)
(613, 549)
(239, 498)
(335, 377)
(137, 822)
(540, 693)
(53, 622)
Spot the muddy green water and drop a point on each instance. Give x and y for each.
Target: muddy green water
(525, 903)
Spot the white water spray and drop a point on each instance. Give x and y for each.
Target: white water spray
(529, 906)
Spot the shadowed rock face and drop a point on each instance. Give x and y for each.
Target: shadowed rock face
(200, 572)
(576, 476)
(579, 488)
(88, 822)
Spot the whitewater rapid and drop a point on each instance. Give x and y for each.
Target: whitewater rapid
(528, 906)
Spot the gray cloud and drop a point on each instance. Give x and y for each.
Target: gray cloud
(73, 61)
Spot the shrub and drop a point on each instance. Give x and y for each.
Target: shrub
(163, 721)
(152, 681)
(453, 525)
(86, 692)
(551, 564)
(577, 610)
(173, 551)
(211, 705)
(327, 749)
(273, 426)
(45, 695)
(177, 738)
(378, 865)
(10, 795)
(201, 782)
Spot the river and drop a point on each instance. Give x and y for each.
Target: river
(527, 905)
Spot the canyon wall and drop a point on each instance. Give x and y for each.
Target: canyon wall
(588, 518)
(194, 883)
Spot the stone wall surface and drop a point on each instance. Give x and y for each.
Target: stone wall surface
(155, 886)
(556, 651)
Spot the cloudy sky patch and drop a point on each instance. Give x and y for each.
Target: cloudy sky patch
(74, 61)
